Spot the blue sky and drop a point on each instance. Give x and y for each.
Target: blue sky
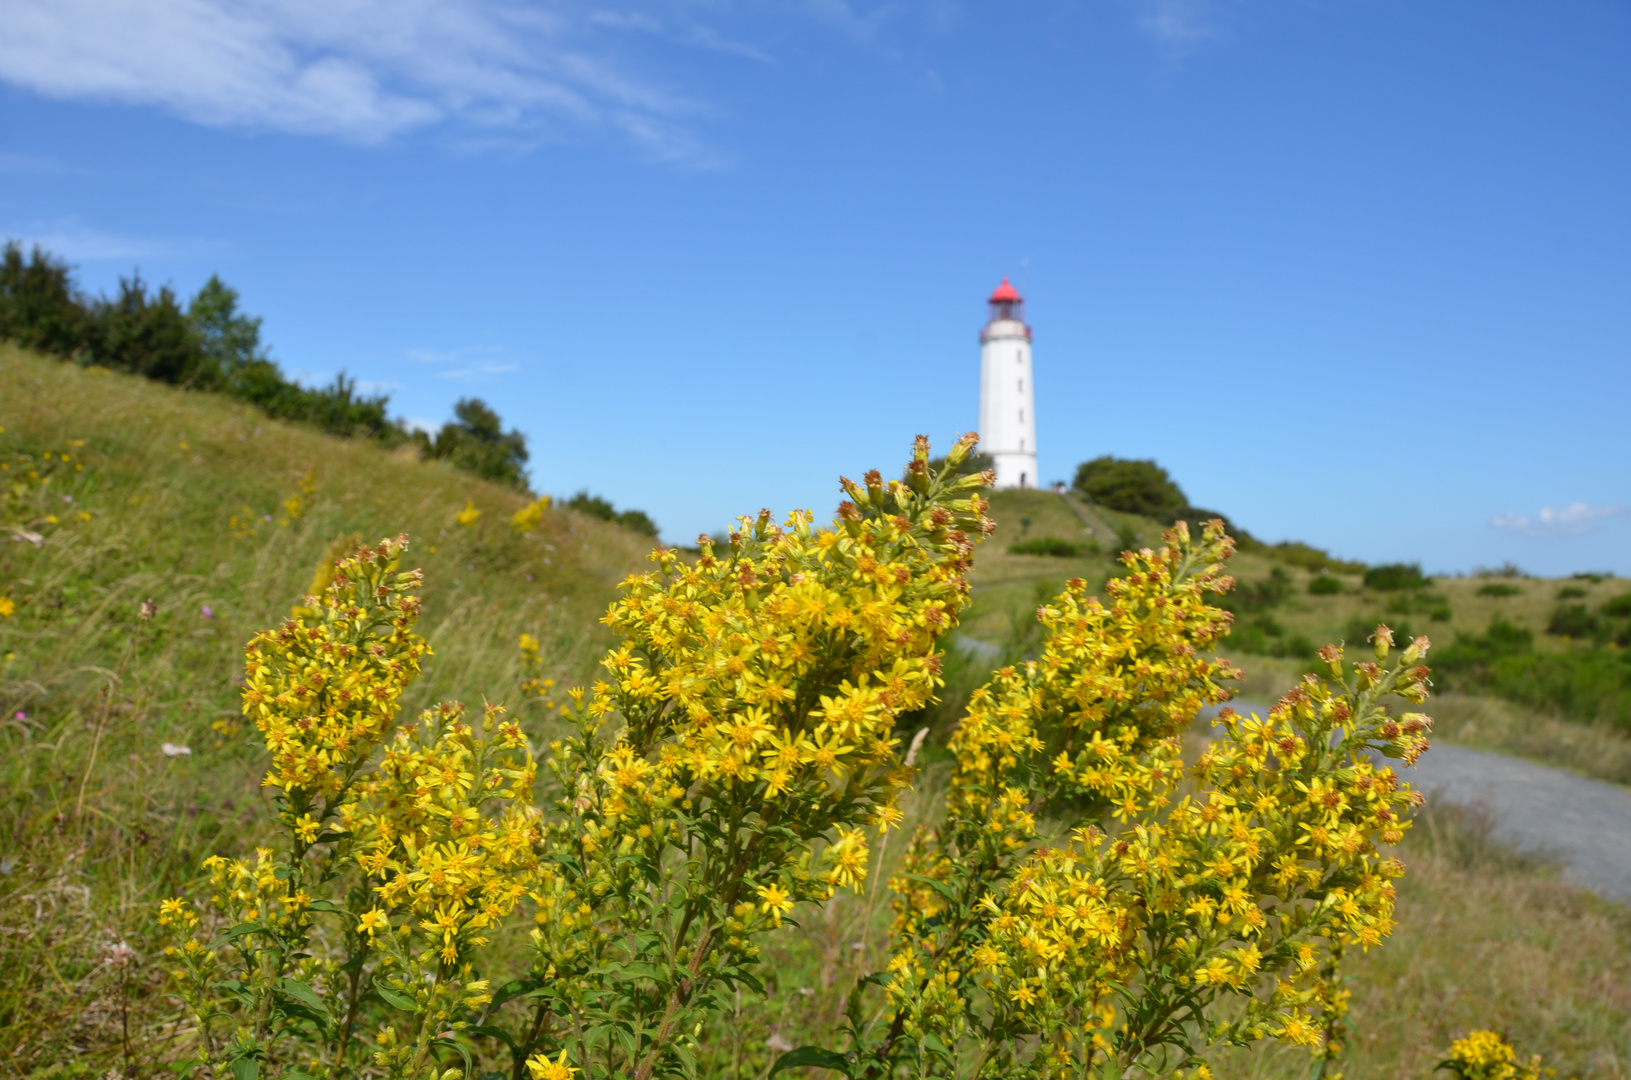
(1357, 271)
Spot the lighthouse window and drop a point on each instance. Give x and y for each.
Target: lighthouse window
(1022, 385)
(1022, 416)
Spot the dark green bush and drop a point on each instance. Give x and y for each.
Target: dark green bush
(1619, 607)
(1133, 487)
(1499, 588)
(1325, 585)
(1573, 620)
(1570, 592)
(1588, 684)
(1394, 576)
(1046, 545)
(595, 506)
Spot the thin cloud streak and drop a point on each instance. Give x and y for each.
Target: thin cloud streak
(1551, 523)
(359, 70)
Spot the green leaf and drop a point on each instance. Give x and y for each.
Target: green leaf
(394, 997)
(464, 1052)
(514, 989)
(328, 905)
(811, 1057)
(246, 1069)
(297, 999)
(495, 1033)
(237, 932)
(940, 887)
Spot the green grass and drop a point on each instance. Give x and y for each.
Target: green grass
(96, 822)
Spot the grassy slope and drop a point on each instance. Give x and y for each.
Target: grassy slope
(96, 822)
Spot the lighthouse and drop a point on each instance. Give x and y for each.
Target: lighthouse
(1007, 407)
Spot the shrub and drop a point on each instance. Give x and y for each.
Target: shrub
(1499, 588)
(1087, 903)
(1325, 585)
(1133, 487)
(1570, 592)
(595, 506)
(1573, 620)
(1260, 594)
(1391, 577)
(1047, 545)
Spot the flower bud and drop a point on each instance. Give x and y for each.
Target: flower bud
(959, 452)
(1331, 656)
(1417, 650)
(1382, 640)
(854, 491)
(851, 517)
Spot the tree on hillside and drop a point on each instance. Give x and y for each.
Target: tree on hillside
(230, 340)
(476, 441)
(1133, 487)
(149, 334)
(39, 306)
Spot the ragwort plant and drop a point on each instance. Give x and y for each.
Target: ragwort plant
(1092, 906)
(727, 769)
(1089, 904)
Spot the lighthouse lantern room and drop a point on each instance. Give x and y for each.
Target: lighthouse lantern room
(1007, 400)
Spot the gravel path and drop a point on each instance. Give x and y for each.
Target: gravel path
(1585, 824)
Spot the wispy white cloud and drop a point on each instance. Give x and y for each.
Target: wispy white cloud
(31, 164)
(1180, 25)
(474, 363)
(361, 70)
(1551, 523)
(75, 241)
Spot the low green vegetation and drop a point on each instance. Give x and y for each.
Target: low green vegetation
(1053, 546)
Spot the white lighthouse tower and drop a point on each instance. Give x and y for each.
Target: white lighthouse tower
(1007, 407)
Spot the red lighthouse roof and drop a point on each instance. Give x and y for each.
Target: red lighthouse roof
(1005, 293)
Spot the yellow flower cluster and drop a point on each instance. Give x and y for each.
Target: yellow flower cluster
(1489, 1055)
(529, 516)
(1092, 723)
(1243, 877)
(323, 689)
(429, 840)
(447, 840)
(535, 685)
(784, 661)
(468, 517)
(301, 500)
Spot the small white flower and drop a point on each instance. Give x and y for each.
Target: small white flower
(175, 750)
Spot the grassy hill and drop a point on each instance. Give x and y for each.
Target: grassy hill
(219, 516)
